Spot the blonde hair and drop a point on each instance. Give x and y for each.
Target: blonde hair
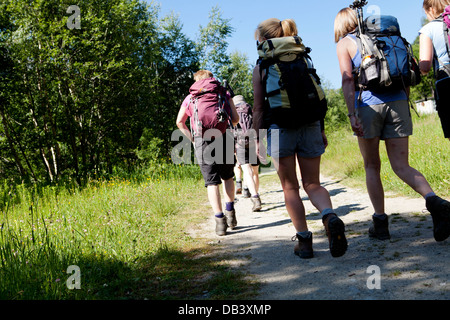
(437, 5)
(346, 21)
(202, 75)
(275, 28)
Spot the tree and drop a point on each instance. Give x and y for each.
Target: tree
(79, 99)
(425, 90)
(238, 73)
(212, 45)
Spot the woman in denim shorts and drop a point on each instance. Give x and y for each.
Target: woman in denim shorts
(382, 116)
(303, 145)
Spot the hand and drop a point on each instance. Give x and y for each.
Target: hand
(356, 126)
(325, 139)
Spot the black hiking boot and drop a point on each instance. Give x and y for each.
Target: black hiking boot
(380, 228)
(440, 212)
(303, 248)
(335, 229)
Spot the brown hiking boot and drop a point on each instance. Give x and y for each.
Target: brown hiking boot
(221, 226)
(380, 228)
(231, 218)
(256, 204)
(335, 230)
(303, 248)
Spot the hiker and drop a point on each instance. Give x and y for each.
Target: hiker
(384, 116)
(434, 52)
(219, 169)
(241, 187)
(246, 150)
(299, 139)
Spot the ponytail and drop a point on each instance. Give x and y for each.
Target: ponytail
(274, 28)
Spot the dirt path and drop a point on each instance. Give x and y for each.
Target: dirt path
(412, 264)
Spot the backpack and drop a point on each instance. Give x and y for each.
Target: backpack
(387, 59)
(443, 75)
(293, 95)
(446, 24)
(211, 108)
(245, 113)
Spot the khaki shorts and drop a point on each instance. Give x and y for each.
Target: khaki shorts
(386, 121)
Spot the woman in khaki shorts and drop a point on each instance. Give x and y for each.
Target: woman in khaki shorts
(382, 116)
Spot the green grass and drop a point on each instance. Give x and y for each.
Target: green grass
(429, 154)
(128, 236)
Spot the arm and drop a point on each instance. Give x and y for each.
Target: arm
(426, 54)
(258, 102)
(181, 123)
(234, 114)
(348, 85)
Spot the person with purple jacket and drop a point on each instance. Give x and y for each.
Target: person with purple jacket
(216, 171)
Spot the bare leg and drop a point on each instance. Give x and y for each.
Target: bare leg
(398, 152)
(286, 168)
(370, 152)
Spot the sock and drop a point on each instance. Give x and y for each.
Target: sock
(219, 215)
(255, 196)
(229, 206)
(327, 211)
(431, 194)
(380, 216)
(304, 234)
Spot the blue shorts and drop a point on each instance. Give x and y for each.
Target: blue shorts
(305, 142)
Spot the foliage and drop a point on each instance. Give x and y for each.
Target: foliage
(238, 73)
(212, 44)
(425, 90)
(337, 109)
(78, 100)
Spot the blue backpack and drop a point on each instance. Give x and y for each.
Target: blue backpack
(388, 62)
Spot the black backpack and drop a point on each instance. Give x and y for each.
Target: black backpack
(292, 88)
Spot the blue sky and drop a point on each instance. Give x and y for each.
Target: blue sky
(314, 18)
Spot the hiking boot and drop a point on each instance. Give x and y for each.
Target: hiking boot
(440, 212)
(335, 230)
(238, 187)
(380, 229)
(246, 193)
(221, 226)
(231, 218)
(256, 204)
(303, 248)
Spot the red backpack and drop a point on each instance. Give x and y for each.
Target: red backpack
(211, 108)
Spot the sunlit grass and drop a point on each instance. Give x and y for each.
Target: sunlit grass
(122, 233)
(429, 154)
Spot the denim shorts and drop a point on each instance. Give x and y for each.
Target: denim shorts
(305, 142)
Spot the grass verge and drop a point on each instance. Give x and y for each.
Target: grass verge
(127, 236)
